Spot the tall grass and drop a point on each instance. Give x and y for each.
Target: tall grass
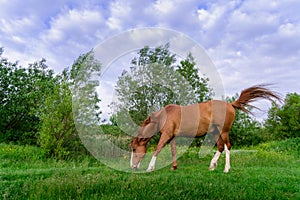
(261, 173)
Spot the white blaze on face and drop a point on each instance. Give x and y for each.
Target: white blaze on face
(132, 164)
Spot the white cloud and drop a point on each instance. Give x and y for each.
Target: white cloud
(72, 25)
(58, 30)
(250, 41)
(257, 44)
(209, 19)
(118, 10)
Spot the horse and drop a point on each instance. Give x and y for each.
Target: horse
(211, 117)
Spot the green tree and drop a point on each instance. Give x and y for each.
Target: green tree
(23, 91)
(139, 90)
(71, 106)
(245, 130)
(188, 70)
(284, 122)
(58, 135)
(155, 80)
(84, 82)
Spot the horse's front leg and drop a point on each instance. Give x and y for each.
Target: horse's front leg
(162, 142)
(173, 150)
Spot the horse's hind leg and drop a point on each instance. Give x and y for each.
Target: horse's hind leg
(227, 164)
(227, 147)
(173, 150)
(216, 157)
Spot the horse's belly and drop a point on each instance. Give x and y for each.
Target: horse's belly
(191, 130)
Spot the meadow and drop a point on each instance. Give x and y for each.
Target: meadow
(267, 171)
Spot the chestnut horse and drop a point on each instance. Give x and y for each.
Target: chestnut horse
(214, 117)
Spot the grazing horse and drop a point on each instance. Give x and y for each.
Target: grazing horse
(213, 117)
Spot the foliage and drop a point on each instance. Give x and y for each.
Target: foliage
(59, 137)
(154, 81)
(20, 153)
(289, 146)
(112, 130)
(23, 91)
(139, 91)
(284, 122)
(245, 130)
(84, 81)
(117, 136)
(188, 70)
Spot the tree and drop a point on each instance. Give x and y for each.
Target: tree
(284, 122)
(154, 80)
(71, 106)
(145, 89)
(23, 91)
(188, 70)
(58, 135)
(245, 130)
(84, 82)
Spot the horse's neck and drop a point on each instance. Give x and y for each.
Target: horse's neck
(147, 133)
(149, 130)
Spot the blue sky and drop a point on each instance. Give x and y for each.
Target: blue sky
(250, 42)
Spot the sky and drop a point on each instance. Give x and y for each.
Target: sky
(250, 42)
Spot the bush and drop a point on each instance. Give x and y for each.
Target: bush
(23, 90)
(21, 153)
(284, 122)
(289, 146)
(58, 136)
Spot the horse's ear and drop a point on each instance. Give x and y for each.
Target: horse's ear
(134, 141)
(144, 141)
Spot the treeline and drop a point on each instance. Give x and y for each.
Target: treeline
(37, 106)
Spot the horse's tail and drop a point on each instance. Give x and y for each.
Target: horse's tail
(252, 94)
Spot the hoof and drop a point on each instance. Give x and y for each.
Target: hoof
(226, 170)
(173, 168)
(212, 167)
(150, 169)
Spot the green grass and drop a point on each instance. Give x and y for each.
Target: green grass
(261, 173)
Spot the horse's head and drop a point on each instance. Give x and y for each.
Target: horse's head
(138, 144)
(138, 147)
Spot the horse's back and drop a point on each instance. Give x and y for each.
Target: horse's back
(196, 119)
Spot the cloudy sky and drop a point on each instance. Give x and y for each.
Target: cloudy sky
(250, 41)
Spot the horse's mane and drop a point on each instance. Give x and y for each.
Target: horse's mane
(146, 122)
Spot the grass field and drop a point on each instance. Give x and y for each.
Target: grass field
(268, 171)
